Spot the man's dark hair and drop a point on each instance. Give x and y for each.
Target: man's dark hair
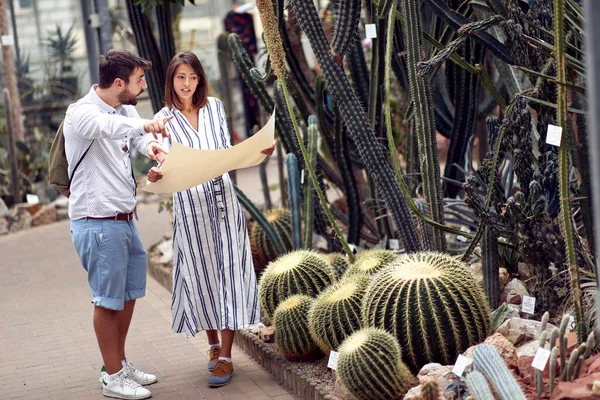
(119, 64)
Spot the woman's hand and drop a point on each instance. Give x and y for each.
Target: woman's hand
(154, 174)
(269, 150)
(156, 152)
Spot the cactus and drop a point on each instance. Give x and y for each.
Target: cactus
(489, 362)
(420, 91)
(478, 386)
(291, 329)
(345, 33)
(370, 366)
(339, 263)
(424, 229)
(553, 357)
(491, 271)
(309, 198)
(299, 272)
(335, 314)
(431, 303)
(291, 164)
(371, 261)
(360, 131)
(263, 247)
(430, 390)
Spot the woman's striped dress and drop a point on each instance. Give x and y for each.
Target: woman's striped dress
(214, 284)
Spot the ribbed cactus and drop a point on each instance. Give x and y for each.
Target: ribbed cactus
(263, 249)
(371, 261)
(359, 129)
(291, 329)
(298, 272)
(339, 263)
(370, 366)
(309, 199)
(346, 26)
(336, 313)
(431, 303)
(491, 268)
(489, 362)
(430, 390)
(478, 386)
(291, 164)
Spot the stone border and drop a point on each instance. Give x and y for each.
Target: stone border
(280, 368)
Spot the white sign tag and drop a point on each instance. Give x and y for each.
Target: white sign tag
(333, 359)
(302, 177)
(554, 135)
(541, 358)
(32, 198)
(394, 244)
(462, 362)
(8, 40)
(571, 324)
(461, 237)
(528, 305)
(371, 31)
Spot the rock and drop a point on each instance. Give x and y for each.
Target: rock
(267, 334)
(3, 209)
(505, 348)
(45, 215)
(61, 202)
(529, 348)
(477, 271)
(594, 364)
(527, 372)
(40, 189)
(504, 277)
(164, 246)
(526, 275)
(62, 214)
(514, 291)
(31, 208)
(19, 219)
(3, 226)
(513, 311)
(413, 393)
(579, 389)
(441, 373)
(519, 330)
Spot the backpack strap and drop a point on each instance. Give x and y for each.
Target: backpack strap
(77, 165)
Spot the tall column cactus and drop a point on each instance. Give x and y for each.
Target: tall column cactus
(420, 91)
(360, 131)
(291, 164)
(309, 198)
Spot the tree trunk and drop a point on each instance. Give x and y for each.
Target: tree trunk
(10, 76)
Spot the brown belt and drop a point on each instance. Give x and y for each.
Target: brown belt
(118, 217)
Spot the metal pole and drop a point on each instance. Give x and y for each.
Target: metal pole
(592, 52)
(90, 41)
(105, 29)
(13, 22)
(12, 149)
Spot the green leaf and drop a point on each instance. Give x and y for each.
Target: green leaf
(499, 315)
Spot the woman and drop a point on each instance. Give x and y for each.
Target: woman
(214, 284)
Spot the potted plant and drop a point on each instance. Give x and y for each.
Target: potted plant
(60, 46)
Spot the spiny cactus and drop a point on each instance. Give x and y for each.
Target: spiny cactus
(291, 164)
(430, 390)
(431, 303)
(308, 207)
(346, 26)
(291, 329)
(370, 261)
(489, 362)
(478, 386)
(339, 263)
(491, 271)
(298, 272)
(336, 313)
(263, 250)
(370, 366)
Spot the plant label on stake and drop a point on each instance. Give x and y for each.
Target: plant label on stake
(371, 31)
(394, 244)
(541, 358)
(528, 305)
(333, 359)
(302, 177)
(8, 40)
(461, 237)
(462, 362)
(571, 324)
(554, 135)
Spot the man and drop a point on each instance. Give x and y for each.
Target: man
(100, 129)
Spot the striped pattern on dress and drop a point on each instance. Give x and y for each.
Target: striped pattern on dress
(214, 284)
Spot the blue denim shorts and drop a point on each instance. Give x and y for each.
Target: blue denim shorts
(113, 255)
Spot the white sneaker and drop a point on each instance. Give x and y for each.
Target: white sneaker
(123, 387)
(138, 376)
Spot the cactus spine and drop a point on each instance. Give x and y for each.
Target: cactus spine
(488, 361)
(370, 366)
(431, 303)
(298, 272)
(420, 91)
(345, 33)
(358, 127)
(291, 163)
(309, 198)
(335, 314)
(291, 328)
(491, 271)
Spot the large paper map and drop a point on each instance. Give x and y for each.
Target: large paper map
(185, 167)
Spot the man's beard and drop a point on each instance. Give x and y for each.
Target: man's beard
(129, 98)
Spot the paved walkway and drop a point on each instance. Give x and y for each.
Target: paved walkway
(47, 344)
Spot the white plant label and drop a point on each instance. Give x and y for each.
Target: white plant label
(541, 358)
(554, 135)
(32, 199)
(571, 324)
(394, 244)
(462, 362)
(371, 31)
(461, 237)
(528, 305)
(302, 177)
(8, 40)
(333, 359)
